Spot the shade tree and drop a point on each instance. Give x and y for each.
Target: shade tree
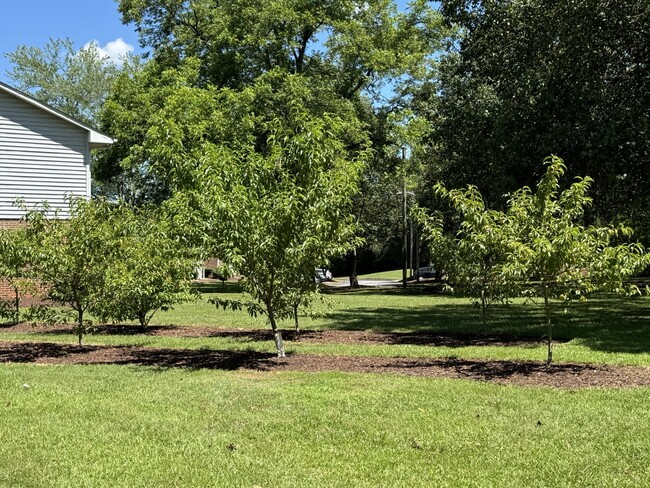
(530, 78)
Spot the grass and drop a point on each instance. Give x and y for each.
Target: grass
(603, 330)
(118, 426)
(137, 426)
(395, 274)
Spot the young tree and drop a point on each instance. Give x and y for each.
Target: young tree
(16, 254)
(480, 260)
(274, 201)
(72, 256)
(288, 213)
(564, 258)
(538, 247)
(149, 270)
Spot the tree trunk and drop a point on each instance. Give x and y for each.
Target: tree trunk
(296, 330)
(16, 305)
(549, 341)
(80, 326)
(483, 306)
(279, 344)
(277, 335)
(354, 282)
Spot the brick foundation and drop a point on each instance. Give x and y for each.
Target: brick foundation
(11, 223)
(6, 293)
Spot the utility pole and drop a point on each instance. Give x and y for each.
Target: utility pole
(404, 233)
(417, 255)
(411, 244)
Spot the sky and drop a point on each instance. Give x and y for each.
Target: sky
(34, 22)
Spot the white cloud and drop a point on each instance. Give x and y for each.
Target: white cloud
(115, 50)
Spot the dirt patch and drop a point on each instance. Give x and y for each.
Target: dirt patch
(524, 373)
(309, 336)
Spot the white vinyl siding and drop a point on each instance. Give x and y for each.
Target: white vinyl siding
(42, 158)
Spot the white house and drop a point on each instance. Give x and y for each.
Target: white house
(44, 154)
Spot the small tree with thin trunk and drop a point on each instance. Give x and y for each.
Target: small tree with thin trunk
(564, 258)
(291, 214)
(72, 256)
(149, 270)
(261, 181)
(539, 247)
(16, 253)
(480, 256)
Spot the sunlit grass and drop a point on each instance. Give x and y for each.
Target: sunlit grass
(123, 426)
(394, 274)
(604, 330)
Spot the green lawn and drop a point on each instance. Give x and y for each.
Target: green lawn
(137, 426)
(604, 330)
(118, 426)
(395, 274)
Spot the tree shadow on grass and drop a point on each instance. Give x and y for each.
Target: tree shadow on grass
(603, 323)
(515, 372)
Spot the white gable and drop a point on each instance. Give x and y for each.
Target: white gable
(44, 155)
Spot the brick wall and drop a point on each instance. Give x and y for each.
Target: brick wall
(11, 223)
(6, 293)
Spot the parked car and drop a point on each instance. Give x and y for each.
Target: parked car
(322, 274)
(427, 272)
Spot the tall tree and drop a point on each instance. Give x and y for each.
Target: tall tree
(75, 81)
(78, 82)
(350, 43)
(530, 78)
(348, 50)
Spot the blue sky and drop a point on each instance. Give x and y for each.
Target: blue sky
(34, 22)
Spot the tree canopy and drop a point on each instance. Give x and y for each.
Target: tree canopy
(349, 43)
(75, 81)
(530, 78)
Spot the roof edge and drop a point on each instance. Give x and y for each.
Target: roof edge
(95, 137)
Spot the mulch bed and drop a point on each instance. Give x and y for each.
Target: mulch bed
(310, 336)
(503, 372)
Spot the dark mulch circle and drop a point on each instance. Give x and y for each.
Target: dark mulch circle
(525, 373)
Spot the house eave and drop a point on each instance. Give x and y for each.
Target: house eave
(96, 139)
